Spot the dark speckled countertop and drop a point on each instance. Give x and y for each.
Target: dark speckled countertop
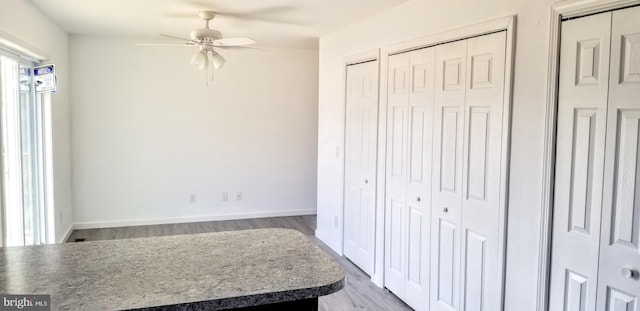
(211, 271)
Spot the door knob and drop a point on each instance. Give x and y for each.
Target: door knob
(366, 181)
(445, 209)
(629, 273)
(418, 199)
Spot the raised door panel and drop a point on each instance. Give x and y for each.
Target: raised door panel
(368, 138)
(364, 213)
(581, 182)
(630, 61)
(449, 105)
(582, 113)
(360, 163)
(482, 211)
(446, 287)
(619, 266)
(352, 206)
(418, 145)
(475, 271)
(449, 155)
(620, 301)
(397, 143)
(421, 97)
(415, 252)
(624, 227)
(576, 291)
(398, 115)
(396, 239)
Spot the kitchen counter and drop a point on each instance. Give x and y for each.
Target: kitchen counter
(250, 269)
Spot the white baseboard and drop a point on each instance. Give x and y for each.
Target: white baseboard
(67, 234)
(176, 220)
(322, 237)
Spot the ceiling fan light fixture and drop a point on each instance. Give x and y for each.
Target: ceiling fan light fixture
(199, 60)
(217, 60)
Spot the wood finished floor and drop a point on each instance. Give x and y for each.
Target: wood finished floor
(358, 294)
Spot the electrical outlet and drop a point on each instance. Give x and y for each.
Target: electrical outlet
(335, 221)
(193, 198)
(239, 196)
(225, 196)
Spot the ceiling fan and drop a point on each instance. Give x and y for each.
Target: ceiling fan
(207, 40)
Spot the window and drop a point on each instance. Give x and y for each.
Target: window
(27, 218)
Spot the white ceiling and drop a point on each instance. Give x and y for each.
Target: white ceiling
(273, 23)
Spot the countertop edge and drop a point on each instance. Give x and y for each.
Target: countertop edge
(254, 300)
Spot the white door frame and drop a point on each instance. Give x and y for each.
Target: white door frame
(507, 24)
(353, 59)
(559, 11)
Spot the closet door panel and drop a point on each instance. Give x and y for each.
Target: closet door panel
(619, 277)
(419, 180)
(449, 105)
(397, 173)
(582, 109)
(481, 264)
(360, 163)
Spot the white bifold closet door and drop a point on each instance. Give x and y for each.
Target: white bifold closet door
(466, 220)
(596, 232)
(409, 151)
(360, 163)
(444, 166)
(582, 109)
(619, 275)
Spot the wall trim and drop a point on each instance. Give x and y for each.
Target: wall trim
(67, 234)
(21, 47)
(466, 32)
(323, 238)
(188, 219)
(362, 57)
(563, 9)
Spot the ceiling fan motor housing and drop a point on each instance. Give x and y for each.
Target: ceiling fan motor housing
(205, 35)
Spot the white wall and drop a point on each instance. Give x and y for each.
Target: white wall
(22, 20)
(416, 19)
(147, 133)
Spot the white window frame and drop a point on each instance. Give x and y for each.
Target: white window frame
(29, 56)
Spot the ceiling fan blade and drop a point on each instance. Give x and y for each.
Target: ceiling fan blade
(190, 15)
(242, 47)
(249, 49)
(233, 42)
(166, 44)
(170, 36)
